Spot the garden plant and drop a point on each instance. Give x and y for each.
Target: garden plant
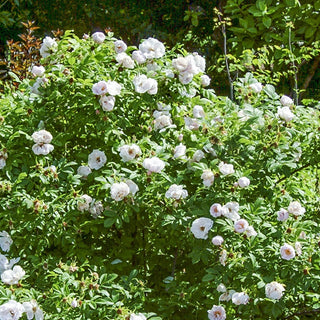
(130, 190)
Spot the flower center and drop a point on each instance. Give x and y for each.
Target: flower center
(287, 252)
(202, 228)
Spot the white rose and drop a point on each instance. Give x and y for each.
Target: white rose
(12, 276)
(296, 209)
(169, 73)
(180, 151)
(138, 56)
(274, 290)
(250, 232)
(185, 77)
(48, 46)
(152, 48)
(256, 87)
(32, 310)
(96, 209)
(243, 182)
(98, 37)
(5, 264)
(285, 114)
(217, 313)
(96, 159)
(107, 102)
(119, 191)
(129, 152)
(138, 316)
(286, 101)
(217, 240)
(282, 214)
(5, 241)
(42, 149)
(180, 64)
(120, 46)
(143, 84)
(200, 227)
(84, 203)
(38, 71)
(40, 82)
(162, 121)
(198, 112)
(240, 298)
(100, 88)
(221, 288)
(198, 156)
(152, 66)
(207, 177)
(287, 252)
(125, 60)
(132, 186)
(199, 61)
(11, 310)
(113, 87)
(241, 225)
(205, 80)
(42, 136)
(153, 164)
(83, 171)
(191, 124)
(230, 210)
(225, 168)
(176, 192)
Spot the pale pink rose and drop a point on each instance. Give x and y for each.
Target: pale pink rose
(217, 240)
(216, 210)
(287, 252)
(217, 313)
(241, 225)
(100, 88)
(98, 37)
(282, 214)
(107, 102)
(120, 46)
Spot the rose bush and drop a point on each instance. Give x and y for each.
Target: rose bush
(129, 190)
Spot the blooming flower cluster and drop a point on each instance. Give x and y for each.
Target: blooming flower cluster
(11, 275)
(42, 141)
(48, 46)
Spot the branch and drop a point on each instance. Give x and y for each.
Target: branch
(294, 171)
(303, 312)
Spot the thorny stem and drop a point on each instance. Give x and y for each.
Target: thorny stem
(226, 55)
(296, 90)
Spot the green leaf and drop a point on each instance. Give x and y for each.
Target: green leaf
(208, 277)
(266, 21)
